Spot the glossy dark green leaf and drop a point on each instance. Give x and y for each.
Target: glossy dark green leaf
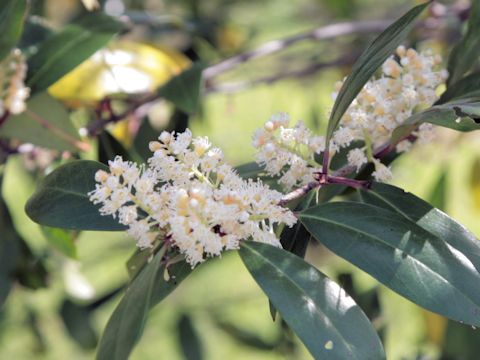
(45, 123)
(426, 216)
(184, 89)
(468, 87)
(189, 339)
(61, 240)
(12, 17)
(371, 59)
(461, 115)
(126, 324)
(401, 254)
(465, 54)
(61, 199)
(324, 317)
(67, 49)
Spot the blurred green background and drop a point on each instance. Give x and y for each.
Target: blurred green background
(219, 312)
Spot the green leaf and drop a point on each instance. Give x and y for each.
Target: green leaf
(9, 250)
(324, 317)
(45, 123)
(426, 216)
(67, 49)
(401, 254)
(109, 147)
(77, 319)
(189, 340)
(184, 89)
(61, 199)
(126, 324)
(465, 54)
(145, 134)
(468, 87)
(438, 195)
(61, 240)
(372, 58)
(136, 262)
(12, 16)
(461, 115)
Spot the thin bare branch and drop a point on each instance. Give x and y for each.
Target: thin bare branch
(271, 47)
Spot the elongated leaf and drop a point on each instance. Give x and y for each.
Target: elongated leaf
(12, 16)
(374, 56)
(78, 322)
(189, 340)
(400, 254)
(61, 200)
(461, 115)
(426, 216)
(65, 50)
(46, 123)
(9, 250)
(126, 324)
(468, 87)
(184, 89)
(324, 317)
(465, 54)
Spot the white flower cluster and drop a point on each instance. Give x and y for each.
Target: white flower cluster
(407, 83)
(288, 152)
(190, 197)
(13, 92)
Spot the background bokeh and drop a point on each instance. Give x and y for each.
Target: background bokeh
(219, 312)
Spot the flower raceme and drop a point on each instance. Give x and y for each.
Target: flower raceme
(13, 92)
(189, 197)
(407, 84)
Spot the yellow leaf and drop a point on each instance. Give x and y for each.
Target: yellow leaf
(91, 4)
(121, 68)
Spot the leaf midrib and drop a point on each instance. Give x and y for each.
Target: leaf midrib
(317, 310)
(349, 228)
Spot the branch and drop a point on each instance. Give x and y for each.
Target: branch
(321, 33)
(233, 87)
(344, 171)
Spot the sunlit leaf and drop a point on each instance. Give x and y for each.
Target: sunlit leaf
(324, 317)
(65, 50)
(430, 267)
(123, 67)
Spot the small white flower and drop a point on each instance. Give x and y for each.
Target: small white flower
(356, 157)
